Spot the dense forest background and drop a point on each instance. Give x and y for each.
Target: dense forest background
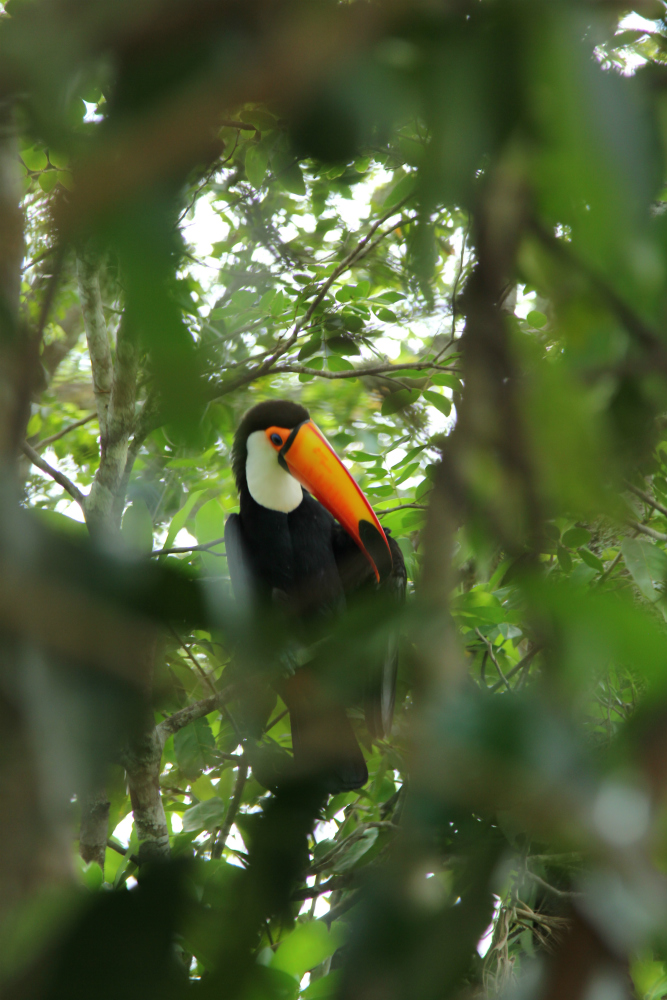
(442, 226)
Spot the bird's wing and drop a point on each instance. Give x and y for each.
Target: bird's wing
(357, 576)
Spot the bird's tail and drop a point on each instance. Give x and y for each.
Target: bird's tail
(323, 741)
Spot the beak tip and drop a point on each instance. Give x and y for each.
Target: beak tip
(375, 543)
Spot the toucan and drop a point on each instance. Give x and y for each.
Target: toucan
(307, 540)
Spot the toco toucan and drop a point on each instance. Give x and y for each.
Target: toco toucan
(307, 539)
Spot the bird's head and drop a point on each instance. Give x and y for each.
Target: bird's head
(278, 449)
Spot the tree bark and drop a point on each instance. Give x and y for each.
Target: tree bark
(94, 827)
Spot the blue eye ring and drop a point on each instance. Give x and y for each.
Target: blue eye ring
(276, 439)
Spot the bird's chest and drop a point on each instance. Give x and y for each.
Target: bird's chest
(293, 553)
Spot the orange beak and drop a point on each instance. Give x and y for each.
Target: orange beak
(310, 458)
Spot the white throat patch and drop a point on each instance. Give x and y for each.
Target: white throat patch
(269, 484)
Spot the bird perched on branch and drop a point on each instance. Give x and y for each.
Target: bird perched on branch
(307, 539)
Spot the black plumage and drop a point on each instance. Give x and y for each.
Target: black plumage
(306, 563)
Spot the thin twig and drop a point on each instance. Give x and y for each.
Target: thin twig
(402, 506)
(272, 722)
(189, 548)
(647, 498)
(293, 368)
(45, 442)
(651, 532)
(200, 708)
(196, 665)
(610, 568)
(225, 830)
(523, 662)
(59, 477)
(564, 894)
(119, 849)
(489, 646)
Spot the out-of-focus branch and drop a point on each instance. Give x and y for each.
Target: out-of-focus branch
(59, 477)
(169, 726)
(204, 547)
(221, 839)
(644, 529)
(55, 352)
(105, 500)
(647, 498)
(297, 369)
(96, 334)
(94, 827)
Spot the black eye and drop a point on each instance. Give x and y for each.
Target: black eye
(276, 439)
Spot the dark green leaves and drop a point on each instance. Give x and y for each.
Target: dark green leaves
(194, 747)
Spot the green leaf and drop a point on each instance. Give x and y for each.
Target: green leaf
(564, 559)
(48, 180)
(386, 315)
(591, 559)
(263, 121)
(452, 381)
(398, 401)
(91, 874)
(179, 519)
(442, 403)
(424, 487)
(309, 348)
(647, 565)
(326, 988)
(344, 294)
(307, 946)
(536, 318)
(210, 525)
(337, 364)
(194, 747)
(360, 290)
(58, 159)
(204, 816)
(279, 304)
(407, 473)
(137, 526)
(35, 158)
(356, 851)
(292, 180)
(575, 537)
(352, 322)
(256, 164)
(402, 190)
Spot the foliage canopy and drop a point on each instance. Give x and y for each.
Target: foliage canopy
(442, 227)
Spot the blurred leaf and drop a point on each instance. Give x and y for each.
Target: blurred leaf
(204, 816)
(647, 564)
(256, 163)
(194, 747)
(307, 946)
(137, 526)
(441, 403)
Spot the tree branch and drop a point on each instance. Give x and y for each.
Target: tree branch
(189, 548)
(221, 840)
(96, 335)
(171, 725)
(402, 506)
(647, 498)
(296, 369)
(59, 477)
(45, 442)
(489, 646)
(106, 498)
(645, 530)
